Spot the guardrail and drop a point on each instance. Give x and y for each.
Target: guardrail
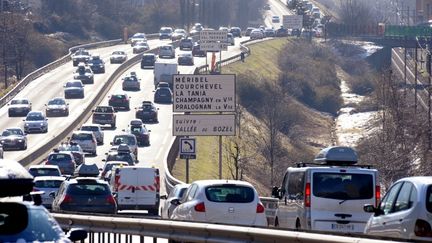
(103, 229)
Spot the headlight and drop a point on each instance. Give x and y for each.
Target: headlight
(2, 141)
(20, 140)
(26, 124)
(42, 124)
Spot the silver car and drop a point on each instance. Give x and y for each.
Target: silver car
(19, 107)
(35, 121)
(140, 47)
(131, 83)
(47, 184)
(86, 140)
(74, 88)
(176, 193)
(97, 131)
(118, 57)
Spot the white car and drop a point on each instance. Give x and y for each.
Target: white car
(176, 193)
(139, 47)
(167, 51)
(47, 184)
(44, 170)
(86, 140)
(97, 131)
(137, 37)
(256, 34)
(128, 139)
(221, 201)
(405, 211)
(35, 121)
(118, 57)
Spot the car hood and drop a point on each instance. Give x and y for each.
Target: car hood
(118, 56)
(35, 122)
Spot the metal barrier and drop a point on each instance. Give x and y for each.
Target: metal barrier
(128, 228)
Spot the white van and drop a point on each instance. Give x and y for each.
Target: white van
(328, 195)
(136, 188)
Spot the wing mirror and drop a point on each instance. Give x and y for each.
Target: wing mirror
(175, 202)
(52, 194)
(164, 197)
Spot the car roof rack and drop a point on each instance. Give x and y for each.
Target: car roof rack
(307, 164)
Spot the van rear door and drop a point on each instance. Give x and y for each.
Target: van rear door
(338, 196)
(147, 187)
(126, 187)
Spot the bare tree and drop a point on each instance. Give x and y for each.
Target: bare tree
(354, 12)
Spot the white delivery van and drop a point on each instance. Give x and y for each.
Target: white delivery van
(136, 188)
(327, 195)
(164, 71)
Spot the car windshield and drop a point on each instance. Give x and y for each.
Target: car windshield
(343, 186)
(136, 129)
(59, 157)
(104, 109)
(230, 194)
(9, 132)
(88, 189)
(129, 140)
(48, 183)
(120, 157)
(147, 107)
(83, 53)
(96, 61)
(131, 79)
(34, 117)
(19, 102)
(118, 97)
(17, 224)
(138, 35)
(73, 84)
(166, 48)
(82, 136)
(57, 102)
(90, 128)
(44, 172)
(165, 30)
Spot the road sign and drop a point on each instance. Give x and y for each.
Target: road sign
(187, 148)
(204, 93)
(204, 125)
(213, 46)
(293, 21)
(214, 35)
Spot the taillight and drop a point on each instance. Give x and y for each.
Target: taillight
(307, 199)
(110, 200)
(116, 182)
(422, 228)
(377, 195)
(47, 162)
(260, 208)
(67, 199)
(200, 207)
(157, 182)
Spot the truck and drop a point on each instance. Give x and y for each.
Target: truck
(163, 72)
(104, 115)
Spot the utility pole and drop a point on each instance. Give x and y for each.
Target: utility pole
(415, 79)
(428, 67)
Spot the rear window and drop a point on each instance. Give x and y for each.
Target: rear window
(230, 194)
(343, 186)
(59, 157)
(104, 109)
(88, 189)
(129, 140)
(90, 128)
(44, 172)
(48, 184)
(82, 136)
(120, 157)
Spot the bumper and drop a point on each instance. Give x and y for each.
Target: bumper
(89, 208)
(12, 145)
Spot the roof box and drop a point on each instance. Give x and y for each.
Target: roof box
(86, 170)
(15, 180)
(337, 155)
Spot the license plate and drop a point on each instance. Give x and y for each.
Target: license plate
(343, 227)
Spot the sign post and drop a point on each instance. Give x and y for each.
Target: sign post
(187, 151)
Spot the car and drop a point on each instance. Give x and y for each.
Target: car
(165, 33)
(47, 184)
(63, 159)
(84, 73)
(74, 88)
(404, 212)
(104, 115)
(220, 201)
(84, 194)
(281, 32)
(185, 59)
(19, 107)
(248, 31)
(186, 43)
(81, 55)
(196, 29)
(26, 221)
(148, 60)
(122, 153)
(137, 37)
(139, 47)
(118, 57)
(44, 170)
(35, 121)
(164, 85)
(319, 196)
(119, 101)
(256, 34)
(269, 32)
(105, 172)
(197, 52)
(230, 39)
(75, 150)
(131, 82)
(128, 139)
(163, 95)
(13, 138)
(142, 134)
(57, 107)
(166, 51)
(178, 34)
(147, 112)
(97, 131)
(96, 64)
(176, 193)
(224, 28)
(296, 32)
(86, 140)
(235, 31)
(275, 19)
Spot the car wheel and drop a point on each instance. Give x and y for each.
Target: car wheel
(298, 225)
(24, 147)
(46, 130)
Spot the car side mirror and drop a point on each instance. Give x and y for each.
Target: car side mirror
(149, 130)
(52, 194)
(175, 202)
(23, 119)
(45, 104)
(77, 235)
(104, 160)
(368, 208)
(115, 194)
(164, 197)
(137, 161)
(111, 143)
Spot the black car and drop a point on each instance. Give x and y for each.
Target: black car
(148, 60)
(186, 43)
(235, 31)
(281, 32)
(197, 52)
(125, 156)
(13, 138)
(84, 194)
(141, 133)
(147, 112)
(96, 64)
(163, 95)
(119, 101)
